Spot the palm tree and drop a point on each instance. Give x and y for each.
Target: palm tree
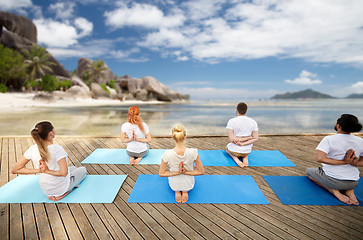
(37, 62)
(96, 70)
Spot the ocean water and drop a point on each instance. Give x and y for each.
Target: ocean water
(199, 117)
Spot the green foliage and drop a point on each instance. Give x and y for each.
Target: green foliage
(64, 84)
(186, 96)
(31, 84)
(37, 62)
(49, 83)
(104, 87)
(96, 71)
(112, 84)
(11, 65)
(3, 88)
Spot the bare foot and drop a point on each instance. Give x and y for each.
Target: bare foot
(241, 164)
(132, 161)
(341, 197)
(178, 197)
(351, 195)
(235, 159)
(185, 197)
(53, 198)
(137, 160)
(245, 161)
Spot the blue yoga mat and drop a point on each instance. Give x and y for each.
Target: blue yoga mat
(119, 156)
(93, 189)
(257, 158)
(223, 189)
(300, 190)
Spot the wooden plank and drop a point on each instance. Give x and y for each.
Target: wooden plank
(69, 222)
(4, 208)
(55, 221)
(30, 229)
(41, 218)
(4, 174)
(82, 221)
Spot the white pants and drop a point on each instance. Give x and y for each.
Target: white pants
(77, 174)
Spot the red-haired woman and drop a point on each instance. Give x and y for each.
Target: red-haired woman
(50, 160)
(137, 136)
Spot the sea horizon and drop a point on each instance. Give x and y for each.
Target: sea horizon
(200, 117)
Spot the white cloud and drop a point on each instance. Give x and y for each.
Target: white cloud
(60, 34)
(127, 55)
(213, 31)
(84, 26)
(90, 49)
(202, 9)
(7, 5)
(226, 93)
(305, 78)
(357, 88)
(186, 83)
(140, 15)
(63, 10)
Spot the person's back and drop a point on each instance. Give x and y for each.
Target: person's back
(50, 185)
(242, 126)
(336, 147)
(50, 161)
(180, 161)
(340, 156)
(242, 133)
(135, 133)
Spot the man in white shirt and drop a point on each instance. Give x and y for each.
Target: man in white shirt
(341, 155)
(242, 133)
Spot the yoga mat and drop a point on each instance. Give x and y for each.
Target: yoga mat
(93, 189)
(257, 158)
(119, 156)
(300, 190)
(223, 189)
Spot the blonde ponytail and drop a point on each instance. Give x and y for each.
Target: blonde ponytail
(40, 134)
(178, 133)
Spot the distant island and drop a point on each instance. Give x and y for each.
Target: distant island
(355, 96)
(305, 94)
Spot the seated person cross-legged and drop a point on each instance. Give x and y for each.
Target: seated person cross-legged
(340, 155)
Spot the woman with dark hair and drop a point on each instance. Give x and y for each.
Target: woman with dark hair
(50, 160)
(137, 136)
(341, 155)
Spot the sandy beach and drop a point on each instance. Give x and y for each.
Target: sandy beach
(18, 102)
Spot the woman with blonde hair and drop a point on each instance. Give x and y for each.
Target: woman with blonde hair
(137, 136)
(50, 160)
(181, 165)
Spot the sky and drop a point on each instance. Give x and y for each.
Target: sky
(210, 49)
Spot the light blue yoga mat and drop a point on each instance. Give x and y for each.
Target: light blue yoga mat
(300, 190)
(257, 158)
(223, 189)
(93, 189)
(119, 156)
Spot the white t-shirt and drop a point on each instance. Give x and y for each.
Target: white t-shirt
(336, 146)
(181, 182)
(135, 146)
(50, 185)
(242, 126)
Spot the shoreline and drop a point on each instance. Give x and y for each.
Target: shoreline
(18, 102)
(190, 136)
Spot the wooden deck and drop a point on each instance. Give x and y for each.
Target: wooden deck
(120, 220)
